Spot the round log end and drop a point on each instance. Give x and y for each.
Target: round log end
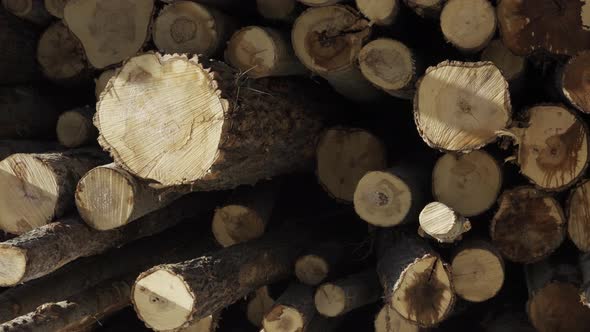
(74, 129)
(382, 199)
(13, 265)
(283, 318)
(557, 307)
(381, 12)
(468, 24)
(512, 66)
(60, 54)
(330, 300)
(252, 50)
(234, 224)
(578, 224)
(575, 81)
(18, 7)
(478, 274)
(389, 320)
(442, 223)
(30, 193)
(311, 269)
(162, 300)
(258, 306)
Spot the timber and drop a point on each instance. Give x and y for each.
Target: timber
(75, 127)
(30, 10)
(571, 81)
(443, 223)
(293, 310)
(578, 215)
(468, 24)
(320, 261)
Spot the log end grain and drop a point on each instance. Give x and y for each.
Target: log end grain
(443, 223)
(468, 24)
(258, 305)
(75, 127)
(236, 223)
(381, 12)
(574, 81)
(13, 265)
(578, 224)
(478, 273)
(512, 66)
(252, 50)
(557, 307)
(311, 269)
(61, 55)
(389, 320)
(330, 300)
(426, 8)
(283, 318)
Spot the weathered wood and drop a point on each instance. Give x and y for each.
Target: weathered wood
(578, 215)
(75, 127)
(388, 320)
(468, 24)
(293, 310)
(572, 80)
(443, 223)
(18, 63)
(379, 12)
(31, 10)
(320, 261)
(229, 132)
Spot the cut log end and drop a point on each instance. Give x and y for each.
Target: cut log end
(105, 198)
(443, 223)
(102, 81)
(252, 50)
(553, 150)
(75, 128)
(56, 7)
(468, 24)
(461, 106)
(389, 65)
(478, 274)
(381, 12)
(388, 320)
(330, 300)
(382, 199)
(311, 269)
(574, 81)
(283, 318)
(344, 156)
(13, 265)
(528, 226)
(578, 224)
(162, 300)
(557, 307)
(468, 183)
(512, 66)
(60, 54)
(424, 294)
(30, 193)
(426, 8)
(258, 306)
(236, 224)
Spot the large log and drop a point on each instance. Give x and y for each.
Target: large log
(31, 10)
(228, 132)
(461, 106)
(18, 63)
(468, 24)
(293, 310)
(46, 249)
(25, 112)
(578, 216)
(512, 66)
(110, 30)
(75, 127)
(193, 28)
(168, 297)
(129, 198)
(571, 81)
(528, 226)
(443, 223)
(380, 12)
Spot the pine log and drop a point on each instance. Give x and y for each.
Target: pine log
(572, 81)
(278, 10)
(75, 127)
(528, 226)
(344, 156)
(426, 8)
(585, 288)
(26, 113)
(258, 305)
(388, 320)
(554, 302)
(478, 271)
(578, 214)
(512, 66)
(56, 7)
(229, 132)
(468, 24)
(31, 10)
(10, 147)
(102, 81)
(390, 66)
(245, 215)
(327, 40)
(443, 223)
(108, 197)
(320, 261)
(319, 3)
(553, 148)
(416, 282)
(555, 26)
(110, 30)
(392, 197)
(38, 188)
(18, 63)
(468, 183)
(61, 55)
(181, 293)
(337, 298)
(260, 51)
(293, 310)
(379, 12)
(460, 106)
(46, 249)
(193, 28)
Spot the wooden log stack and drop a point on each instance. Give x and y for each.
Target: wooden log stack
(294, 165)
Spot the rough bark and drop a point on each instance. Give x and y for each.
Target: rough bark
(235, 132)
(468, 24)
(31, 10)
(75, 127)
(293, 310)
(443, 223)
(25, 112)
(18, 63)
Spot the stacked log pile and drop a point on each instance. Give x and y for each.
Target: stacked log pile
(294, 165)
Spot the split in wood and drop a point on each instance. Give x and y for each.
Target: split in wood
(293, 310)
(380, 12)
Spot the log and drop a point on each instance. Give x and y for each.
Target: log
(102, 81)
(18, 63)
(512, 66)
(426, 8)
(468, 24)
(293, 310)
(333, 299)
(460, 106)
(278, 10)
(260, 52)
(213, 143)
(392, 197)
(443, 223)
(31, 10)
(468, 183)
(388, 320)
(327, 40)
(26, 114)
(380, 12)
(258, 305)
(571, 81)
(578, 216)
(585, 288)
(478, 271)
(390, 66)
(56, 7)
(38, 188)
(554, 302)
(561, 31)
(193, 28)
(111, 31)
(416, 282)
(127, 198)
(10, 147)
(180, 293)
(319, 3)
(320, 261)
(46, 249)
(552, 146)
(528, 226)
(343, 156)
(75, 127)
(245, 215)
